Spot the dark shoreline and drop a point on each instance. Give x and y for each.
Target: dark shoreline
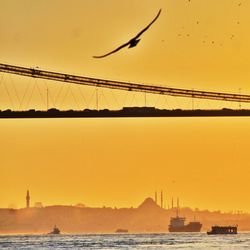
(125, 112)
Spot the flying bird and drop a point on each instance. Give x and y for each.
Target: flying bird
(132, 42)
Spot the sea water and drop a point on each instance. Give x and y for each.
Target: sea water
(127, 241)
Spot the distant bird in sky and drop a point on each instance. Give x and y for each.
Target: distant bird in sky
(132, 42)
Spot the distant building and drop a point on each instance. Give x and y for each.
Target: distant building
(80, 205)
(38, 204)
(28, 199)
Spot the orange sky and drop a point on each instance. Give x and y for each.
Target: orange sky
(121, 161)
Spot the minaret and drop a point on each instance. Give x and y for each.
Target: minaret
(156, 197)
(172, 202)
(165, 200)
(161, 199)
(28, 199)
(178, 206)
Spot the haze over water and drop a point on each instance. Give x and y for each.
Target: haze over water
(127, 241)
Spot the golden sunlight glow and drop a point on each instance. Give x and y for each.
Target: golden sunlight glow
(197, 44)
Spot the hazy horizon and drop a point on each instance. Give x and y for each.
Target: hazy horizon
(108, 161)
(80, 204)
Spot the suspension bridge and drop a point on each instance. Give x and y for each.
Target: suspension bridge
(99, 83)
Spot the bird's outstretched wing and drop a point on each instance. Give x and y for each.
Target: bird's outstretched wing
(126, 44)
(140, 33)
(122, 46)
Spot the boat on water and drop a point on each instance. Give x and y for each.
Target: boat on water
(223, 230)
(121, 230)
(177, 224)
(55, 230)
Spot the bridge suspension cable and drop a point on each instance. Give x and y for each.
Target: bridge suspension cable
(145, 88)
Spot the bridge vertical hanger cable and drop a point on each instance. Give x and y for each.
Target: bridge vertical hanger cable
(165, 101)
(133, 99)
(65, 95)
(31, 94)
(1, 78)
(92, 99)
(9, 95)
(47, 95)
(125, 99)
(76, 102)
(15, 91)
(176, 100)
(41, 94)
(157, 100)
(25, 93)
(83, 97)
(105, 99)
(59, 93)
(114, 97)
(240, 99)
(49, 98)
(97, 99)
(193, 101)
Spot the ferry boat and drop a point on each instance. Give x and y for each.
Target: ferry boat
(223, 230)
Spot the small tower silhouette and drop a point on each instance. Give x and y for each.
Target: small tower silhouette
(28, 199)
(172, 202)
(161, 199)
(178, 206)
(166, 200)
(156, 197)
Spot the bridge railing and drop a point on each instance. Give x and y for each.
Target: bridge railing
(145, 88)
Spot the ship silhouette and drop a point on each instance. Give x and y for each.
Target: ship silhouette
(177, 224)
(121, 230)
(55, 230)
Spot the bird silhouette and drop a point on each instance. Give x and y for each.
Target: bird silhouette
(132, 42)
